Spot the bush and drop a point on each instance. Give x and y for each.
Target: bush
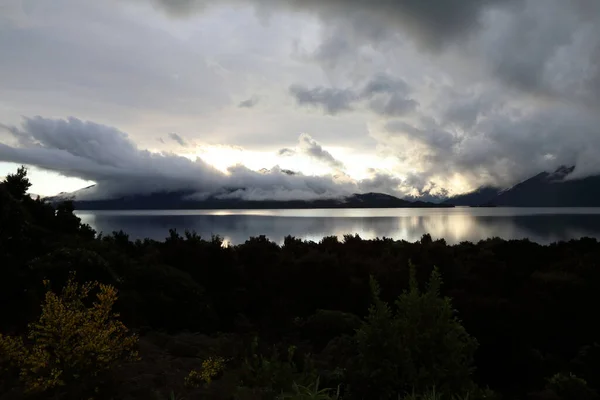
(212, 368)
(418, 345)
(571, 387)
(271, 375)
(71, 343)
(325, 325)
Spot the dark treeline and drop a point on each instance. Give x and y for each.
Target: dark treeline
(532, 309)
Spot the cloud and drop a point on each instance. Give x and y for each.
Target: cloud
(103, 154)
(529, 44)
(547, 48)
(394, 106)
(432, 135)
(478, 92)
(161, 140)
(410, 187)
(383, 83)
(286, 152)
(333, 101)
(386, 96)
(383, 182)
(249, 103)
(432, 23)
(178, 139)
(313, 149)
(498, 144)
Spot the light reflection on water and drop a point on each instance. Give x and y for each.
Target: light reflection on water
(543, 225)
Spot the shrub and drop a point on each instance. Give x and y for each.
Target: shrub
(418, 345)
(268, 376)
(569, 386)
(11, 350)
(71, 343)
(212, 367)
(325, 325)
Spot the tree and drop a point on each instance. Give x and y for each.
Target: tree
(416, 345)
(18, 184)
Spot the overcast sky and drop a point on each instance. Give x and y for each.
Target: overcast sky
(407, 97)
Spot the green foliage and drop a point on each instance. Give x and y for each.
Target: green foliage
(71, 343)
(270, 375)
(311, 392)
(415, 345)
(570, 387)
(211, 369)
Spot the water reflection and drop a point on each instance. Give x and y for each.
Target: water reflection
(454, 225)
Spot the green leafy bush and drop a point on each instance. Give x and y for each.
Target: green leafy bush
(71, 343)
(415, 345)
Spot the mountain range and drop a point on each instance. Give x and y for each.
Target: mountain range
(547, 189)
(181, 200)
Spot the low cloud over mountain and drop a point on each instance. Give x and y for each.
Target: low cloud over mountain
(107, 156)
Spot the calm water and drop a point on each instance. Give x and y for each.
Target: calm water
(543, 225)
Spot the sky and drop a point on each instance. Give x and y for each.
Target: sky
(292, 99)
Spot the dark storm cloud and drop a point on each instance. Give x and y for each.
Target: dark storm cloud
(464, 109)
(539, 140)
(432, 22)
(249, 103)
(503, 146)
(386, 96)
(546, 48)
(431, 134)
(107, 156)
(175, 137)
(543, 47)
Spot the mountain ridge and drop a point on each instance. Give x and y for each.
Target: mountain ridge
(546, 189)
(178, 200)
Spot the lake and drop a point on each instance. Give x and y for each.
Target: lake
(542, 225)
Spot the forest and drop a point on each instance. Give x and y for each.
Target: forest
(94, 315)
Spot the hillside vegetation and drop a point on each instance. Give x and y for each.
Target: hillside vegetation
(187, 318)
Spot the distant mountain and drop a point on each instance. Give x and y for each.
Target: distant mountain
(547, 189)
(483, 195)
(180, 200)
(553, 190)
